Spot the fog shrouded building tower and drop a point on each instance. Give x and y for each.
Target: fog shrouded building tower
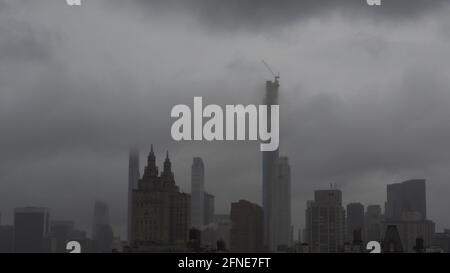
(269, 158)
(276, 186)
(102, 232)
(197, 193)
(133, 179)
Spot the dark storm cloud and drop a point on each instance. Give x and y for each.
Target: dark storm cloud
(269, 14)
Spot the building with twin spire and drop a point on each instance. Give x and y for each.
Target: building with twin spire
(160, 212)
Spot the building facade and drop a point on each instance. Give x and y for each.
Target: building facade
(209, 208)
(6, 239)
(31, 230)
(355, 221)
(325, 222)
(197, 193)
(281, 237)
(161, 213)
(405, 197)
(406, 210)
(246, 233)
(373, 223)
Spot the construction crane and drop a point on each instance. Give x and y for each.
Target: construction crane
(276, 76)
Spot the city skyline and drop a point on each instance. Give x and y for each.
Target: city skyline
(404, 221)
(123, 235)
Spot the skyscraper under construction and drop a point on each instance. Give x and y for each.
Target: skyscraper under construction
(276, 187)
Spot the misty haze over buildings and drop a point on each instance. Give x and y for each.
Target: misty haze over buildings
(364, 98)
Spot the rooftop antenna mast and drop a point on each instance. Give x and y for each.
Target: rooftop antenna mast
(276, 76)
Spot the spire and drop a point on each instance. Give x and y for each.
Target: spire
(151, 169)
(151, 155)
(167, 164)
(167, 172)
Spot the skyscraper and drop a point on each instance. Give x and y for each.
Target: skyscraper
(281, 235)
(406, 210)
(133, 178)
(197, 193)
(247, 227)
(324, 229)
(373, 223)
(405, 197)
(161, 213)
(355, 220)
(31, 230)
(276, 186)
(209, 208)
(101, 229)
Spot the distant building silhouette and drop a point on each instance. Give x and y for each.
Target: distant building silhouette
(247, 227)
(209, 208)
(355, 221)
(325, 222)
(62, 232)
(31, 230)
(6, 239)
(217, 230)
(87, 244)
(442, 240)
(282, 230)
(161, 213)
(195, 240)
(102, 232)
(406, 209)
(133, 179)
(406, 197)
(223, 222)
(197, 193)
(373, 223)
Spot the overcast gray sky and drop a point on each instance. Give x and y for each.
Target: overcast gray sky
(365, 95)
